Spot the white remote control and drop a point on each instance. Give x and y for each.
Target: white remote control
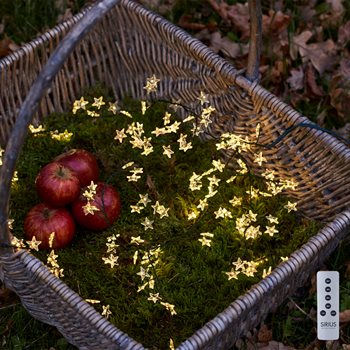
(328, 305)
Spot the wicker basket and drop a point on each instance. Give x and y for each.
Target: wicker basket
(121, 44)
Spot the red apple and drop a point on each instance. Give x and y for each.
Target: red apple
(82, 162)
(107, 203)
(42, 220)
(57, 185)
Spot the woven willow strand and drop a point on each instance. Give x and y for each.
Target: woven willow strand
(50, 300)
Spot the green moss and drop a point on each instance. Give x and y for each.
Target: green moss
(188, 275)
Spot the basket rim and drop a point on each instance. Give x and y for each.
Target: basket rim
(333, 232)
(26, 48)
(41, 273)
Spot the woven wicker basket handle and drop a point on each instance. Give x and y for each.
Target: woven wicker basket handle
(45, 78)
(255, 43)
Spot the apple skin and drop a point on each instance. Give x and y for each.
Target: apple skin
(57, 185)
(106, 199)
(42, 220)
(83, 163)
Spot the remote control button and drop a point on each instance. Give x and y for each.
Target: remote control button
(323, 313)
(328, 280)
(333, 312)
(328, 297)
(328, 306)
(328, 289)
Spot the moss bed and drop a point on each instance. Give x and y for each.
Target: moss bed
(189, 270)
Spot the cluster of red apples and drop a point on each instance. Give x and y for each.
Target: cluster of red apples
(71, 194)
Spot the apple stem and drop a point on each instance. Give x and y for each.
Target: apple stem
(46, 213)
(61, 171)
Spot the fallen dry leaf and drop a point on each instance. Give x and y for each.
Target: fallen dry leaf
(237, 15)
(321, 118)
(313, 286)
(187, 23)
(7, 46)
(264, 334)
(204, 36)
(344, 132)
(314, 87)
(337, 6)
(321, 54)
(276, 73)
(275, 26)
(339, 90)
(219, 43)
(4, 47)
(275, 22)
(251, 342)
(296, 79)
(344, 316)
(227, 46)
(314, 345)
(166, 6)
(334, 16)
(60, 5)
(274, 345)
(299, 41)
(307, 12)
(340, 96)
(296, 98)
(344, 67)
(344, 34)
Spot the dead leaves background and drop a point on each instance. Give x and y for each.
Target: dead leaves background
(305, 59)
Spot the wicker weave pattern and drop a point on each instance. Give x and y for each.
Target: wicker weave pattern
(318, 162)
(76, 320)
(50, 300)
(125, 47)
(18, 72)
(248, 310)
(122, 59)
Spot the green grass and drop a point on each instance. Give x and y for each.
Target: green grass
(24, 19)
(19, 331)
(294, 322)
(187, 275)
